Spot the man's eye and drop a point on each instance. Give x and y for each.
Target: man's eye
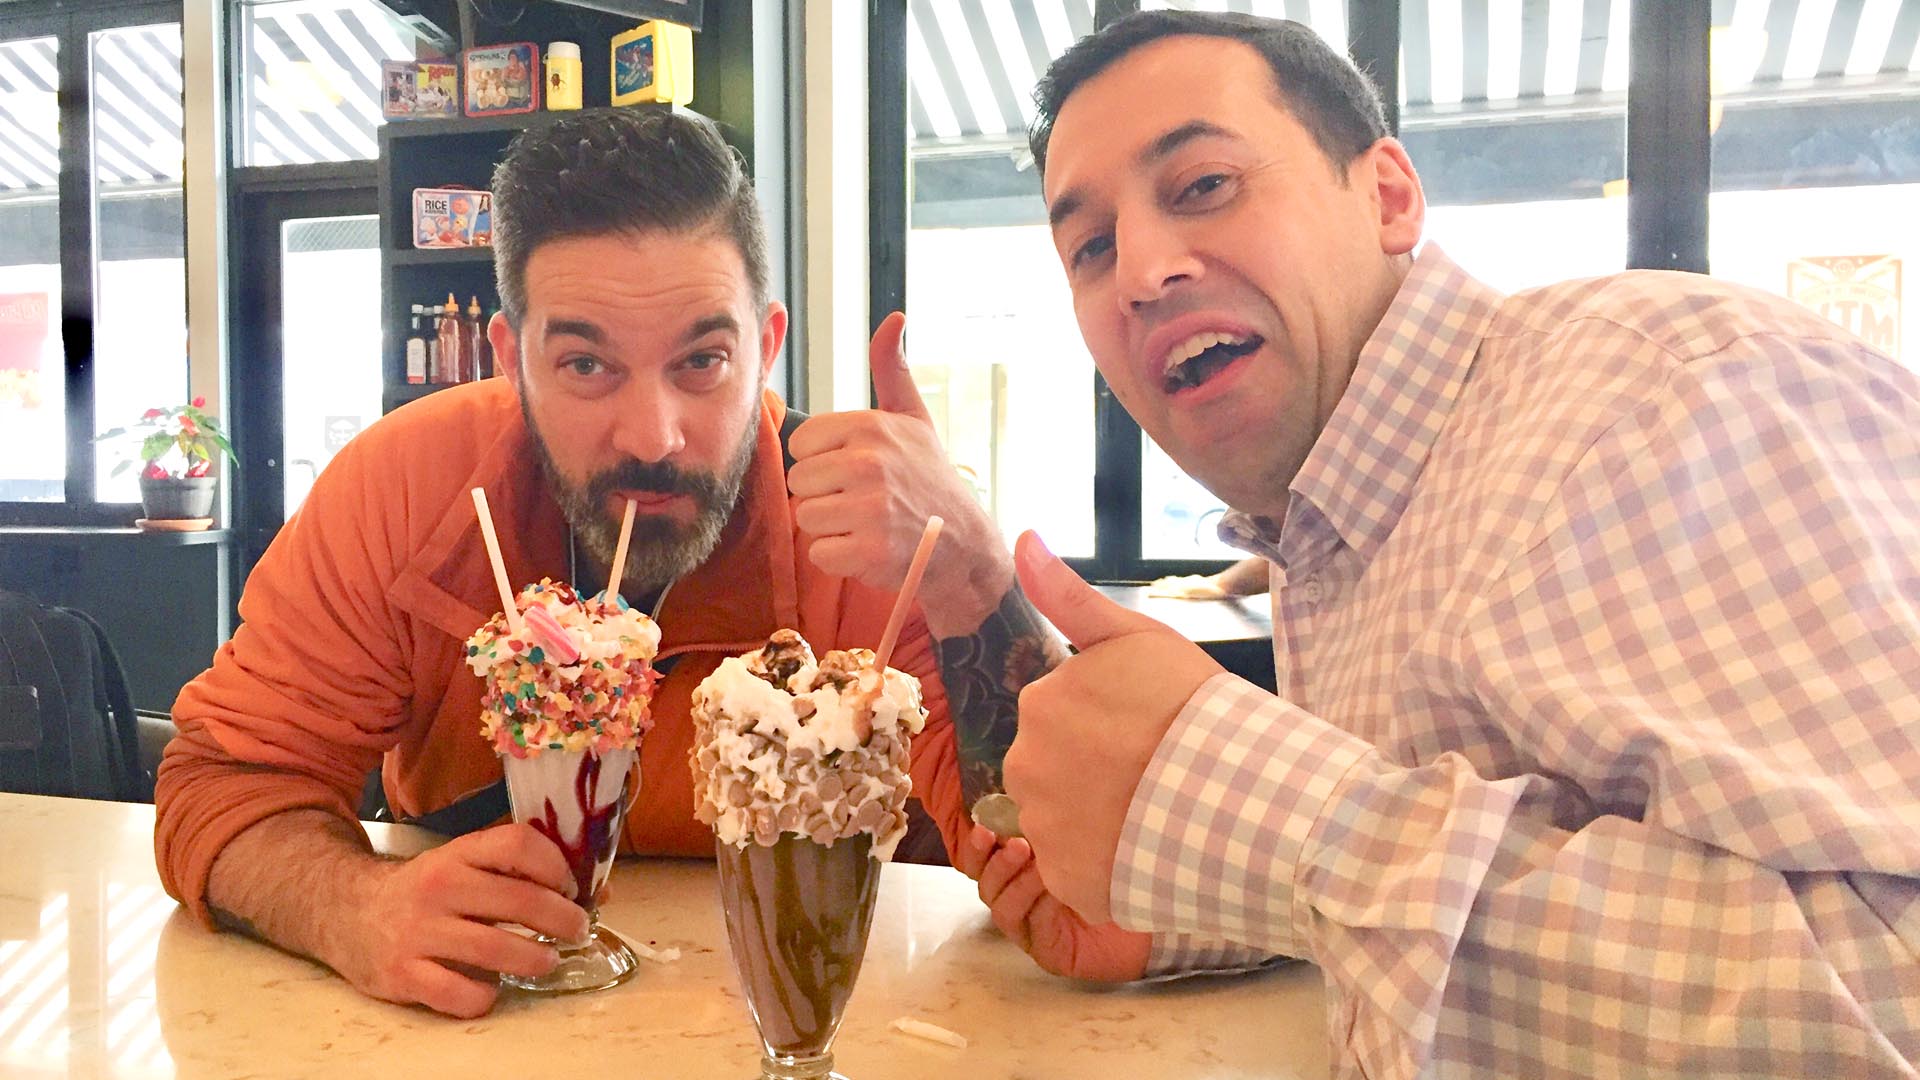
(1202, 187)
(704, 361)
(585, 365)
(1092, 249)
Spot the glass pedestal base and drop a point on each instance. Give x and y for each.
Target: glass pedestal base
(605, 961)
(794, 1068)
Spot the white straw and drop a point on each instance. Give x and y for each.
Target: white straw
(507, 606)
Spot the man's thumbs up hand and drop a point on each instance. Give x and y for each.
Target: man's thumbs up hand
(865, 482)
(894, 390)
(1089, 729)
(1076, 609)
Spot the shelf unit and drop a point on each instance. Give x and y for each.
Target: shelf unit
(458, 152)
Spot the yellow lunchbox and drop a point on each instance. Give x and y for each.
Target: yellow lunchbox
(653, 62)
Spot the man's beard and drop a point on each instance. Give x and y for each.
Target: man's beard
(662, 549)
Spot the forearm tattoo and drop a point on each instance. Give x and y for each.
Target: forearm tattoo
(984, 673)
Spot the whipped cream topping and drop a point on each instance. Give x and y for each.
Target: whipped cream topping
(787, 744)
(598, 701)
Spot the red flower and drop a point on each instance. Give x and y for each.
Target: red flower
(153, 471)
(199, 468)
(152, 413)
(188, 427)
(199, 403)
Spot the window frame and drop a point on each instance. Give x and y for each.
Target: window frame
(1669, 167)
(73, 25)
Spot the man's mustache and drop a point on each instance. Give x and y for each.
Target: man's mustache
(655, 476)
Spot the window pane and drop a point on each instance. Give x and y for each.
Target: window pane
(990, 327)
(33, 389)
(1514, 112)
(1179, 519)
(330, 338)
(1178, 516)
(1816, 159)
(308, 77)
(140, 288)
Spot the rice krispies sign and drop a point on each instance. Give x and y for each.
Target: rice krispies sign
(1859, 292)
(452, 218)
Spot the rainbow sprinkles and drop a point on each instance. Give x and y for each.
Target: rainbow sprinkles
(568, 674)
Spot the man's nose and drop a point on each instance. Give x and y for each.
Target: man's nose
(651, 426)
(1151, 259)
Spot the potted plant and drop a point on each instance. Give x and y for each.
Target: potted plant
(177, 448)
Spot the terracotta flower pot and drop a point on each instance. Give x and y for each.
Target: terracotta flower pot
(174, 497)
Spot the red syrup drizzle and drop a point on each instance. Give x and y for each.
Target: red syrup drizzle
(596, 839)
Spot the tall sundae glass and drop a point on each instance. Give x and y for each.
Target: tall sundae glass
(800, 767)
(568, 687)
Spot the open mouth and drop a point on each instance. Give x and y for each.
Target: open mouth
(1198, 359)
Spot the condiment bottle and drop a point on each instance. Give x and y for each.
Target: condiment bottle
(452, 362)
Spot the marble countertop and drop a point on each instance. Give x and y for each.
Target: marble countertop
(103, 975)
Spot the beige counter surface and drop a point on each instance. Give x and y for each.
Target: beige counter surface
(102, 975)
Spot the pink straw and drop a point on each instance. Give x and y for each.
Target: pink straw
(915, 570)
(612, 595)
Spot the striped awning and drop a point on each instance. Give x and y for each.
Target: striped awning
(311, 69)
(972, 63)
(311, 73)
(137, 116)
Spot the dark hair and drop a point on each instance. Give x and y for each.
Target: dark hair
(1338, 105)
(627, 171)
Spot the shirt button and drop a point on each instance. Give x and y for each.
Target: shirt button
(1313, 590)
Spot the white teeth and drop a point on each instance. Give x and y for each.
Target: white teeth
(1186, 350)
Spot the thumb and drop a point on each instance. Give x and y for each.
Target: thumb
(1074, 607)
(893, 388)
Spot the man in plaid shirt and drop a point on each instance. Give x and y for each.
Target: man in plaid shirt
(1596, 615)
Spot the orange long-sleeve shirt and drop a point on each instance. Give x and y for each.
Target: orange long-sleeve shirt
(352, 644)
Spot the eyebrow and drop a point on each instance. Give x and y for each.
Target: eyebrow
(579, 328)
(587, 331)
(1072, 199)
(708, 325)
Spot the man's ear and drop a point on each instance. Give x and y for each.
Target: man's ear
(1402, 204)
(506, 347)
(773, 334)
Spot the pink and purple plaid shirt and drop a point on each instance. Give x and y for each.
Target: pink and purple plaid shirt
(1597, 624)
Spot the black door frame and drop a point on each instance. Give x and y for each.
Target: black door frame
(262, 205)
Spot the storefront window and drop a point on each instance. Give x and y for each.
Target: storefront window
(308, 77)
(32, 366)
(140, 286)
(1515, 116)
(1816, 160)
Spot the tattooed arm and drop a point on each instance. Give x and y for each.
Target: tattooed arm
(984, 672)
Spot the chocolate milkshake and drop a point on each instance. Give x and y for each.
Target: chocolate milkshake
(800, 766)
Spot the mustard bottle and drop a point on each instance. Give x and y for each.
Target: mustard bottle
(563, 75)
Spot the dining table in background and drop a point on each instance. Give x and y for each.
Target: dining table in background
(103, 975)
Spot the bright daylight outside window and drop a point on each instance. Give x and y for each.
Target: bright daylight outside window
(308, 77)
(33, 385)
(140, 287)
(1514, 113)
(990, 329)
(1816, 159)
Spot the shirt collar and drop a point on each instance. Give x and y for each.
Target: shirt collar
(743, 590)
(1361, 471)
